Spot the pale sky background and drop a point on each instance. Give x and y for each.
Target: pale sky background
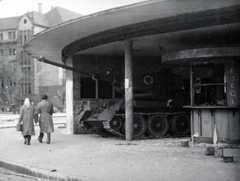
(9, 8)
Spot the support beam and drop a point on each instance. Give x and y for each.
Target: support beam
(96, 83)
(96, 86)
(128, 90)
(69, 97)
(113, 92)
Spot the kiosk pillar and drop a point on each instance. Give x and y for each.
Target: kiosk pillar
(128, 91)
(69, 97)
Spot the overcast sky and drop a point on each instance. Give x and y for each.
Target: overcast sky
(9, 8)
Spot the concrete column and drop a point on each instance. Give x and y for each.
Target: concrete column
(69, 97)
(128, 91)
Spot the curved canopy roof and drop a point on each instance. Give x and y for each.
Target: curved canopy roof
(158, 27)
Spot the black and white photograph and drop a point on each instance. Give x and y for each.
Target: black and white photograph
(129, 90)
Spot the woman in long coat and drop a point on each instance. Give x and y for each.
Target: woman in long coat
(45, 109)
(27, 113)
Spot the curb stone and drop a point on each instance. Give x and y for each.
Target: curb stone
(39, 173)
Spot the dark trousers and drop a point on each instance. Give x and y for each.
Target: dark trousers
(41, 135)
(27, 138)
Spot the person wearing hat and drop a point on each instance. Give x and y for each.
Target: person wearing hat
(26, 117)
(45, 109)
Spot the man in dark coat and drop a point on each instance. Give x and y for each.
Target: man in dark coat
(26, 117)
(45, 109)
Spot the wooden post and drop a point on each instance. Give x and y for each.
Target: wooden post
(69, 97)
(191, 102)
(191, 85)
(128, 91)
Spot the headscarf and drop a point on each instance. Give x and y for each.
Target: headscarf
(27, 103)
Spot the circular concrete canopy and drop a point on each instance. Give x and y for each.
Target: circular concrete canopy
(161, 28)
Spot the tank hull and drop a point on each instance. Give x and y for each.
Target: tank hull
(147, 122)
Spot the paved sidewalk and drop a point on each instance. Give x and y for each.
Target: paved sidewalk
(92, 158)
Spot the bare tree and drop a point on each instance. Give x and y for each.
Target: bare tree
(61, 94)
(10, 78)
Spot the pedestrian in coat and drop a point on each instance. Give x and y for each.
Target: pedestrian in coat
(27, 114)
(45, 109)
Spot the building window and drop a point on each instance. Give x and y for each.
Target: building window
(22, 88)
(28, 60)
(1, 36)
(28, 72)
(20, 37)
(11, 35)
(25, 21)
(29, 88)
(12, 51)
(25, 38)
(24, 35)
(26, 88)
(21, 55)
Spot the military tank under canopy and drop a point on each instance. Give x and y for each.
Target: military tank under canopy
(156, 124)
(158, 109)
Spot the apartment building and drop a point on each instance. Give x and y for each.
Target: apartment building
(37, 77)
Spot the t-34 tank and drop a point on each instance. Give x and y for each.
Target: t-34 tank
(111, 118)
(158, 110)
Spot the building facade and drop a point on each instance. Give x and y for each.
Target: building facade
(8, 51)
(37, 77)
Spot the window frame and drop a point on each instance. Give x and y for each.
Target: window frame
(1, 36)
(201, 86)
(12, 51)
(11, 35)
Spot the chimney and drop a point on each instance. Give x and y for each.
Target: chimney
(40, 7)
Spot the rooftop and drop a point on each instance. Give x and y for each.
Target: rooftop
(58, 15)
(8, 23)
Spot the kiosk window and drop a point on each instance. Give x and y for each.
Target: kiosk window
(209, 84)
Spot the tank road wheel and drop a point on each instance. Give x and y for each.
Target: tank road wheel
(116, 123)
(180, 124)
(139, 126)
(158, 125)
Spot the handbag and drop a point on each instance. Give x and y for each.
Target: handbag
(19, 127)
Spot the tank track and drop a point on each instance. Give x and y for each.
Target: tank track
(106, 124)
(107, 127)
